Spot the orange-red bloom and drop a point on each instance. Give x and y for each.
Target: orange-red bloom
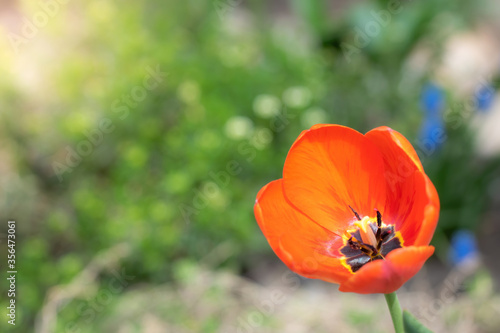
(352, 209)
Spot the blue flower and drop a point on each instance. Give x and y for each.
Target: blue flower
(484, 96)
(432, 129)
(463, 247)
(432, 99)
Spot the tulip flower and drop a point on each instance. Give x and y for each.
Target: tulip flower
(352, 209)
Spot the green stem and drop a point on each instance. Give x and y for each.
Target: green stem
(395, 310)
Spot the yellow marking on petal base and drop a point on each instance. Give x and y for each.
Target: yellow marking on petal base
(401, 240)
(344, 263)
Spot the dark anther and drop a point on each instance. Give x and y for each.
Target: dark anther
(355, 213)
(371, 248)
(385, 234)
(365, 248)
(366, 251)
(379, 230)
(354, 246)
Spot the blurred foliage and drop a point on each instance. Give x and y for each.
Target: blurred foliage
(174, 171)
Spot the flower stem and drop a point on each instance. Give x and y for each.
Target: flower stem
(395, 310)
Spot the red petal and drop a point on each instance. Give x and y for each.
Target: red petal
(411, 197)
(431, 215)
(304, 246)
(387, 276)
(329, 168)
(396, 148)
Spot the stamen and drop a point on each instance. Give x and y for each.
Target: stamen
(353, 245)
(366, 251)
(379, 219)
(369, 240)
(379, 230)
(355, 213)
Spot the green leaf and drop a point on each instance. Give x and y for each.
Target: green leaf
(412, 325)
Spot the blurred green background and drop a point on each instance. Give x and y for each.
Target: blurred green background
(136, 134)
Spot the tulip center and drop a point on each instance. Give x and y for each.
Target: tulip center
(369, 239)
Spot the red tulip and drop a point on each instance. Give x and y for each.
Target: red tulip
(352, 209)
